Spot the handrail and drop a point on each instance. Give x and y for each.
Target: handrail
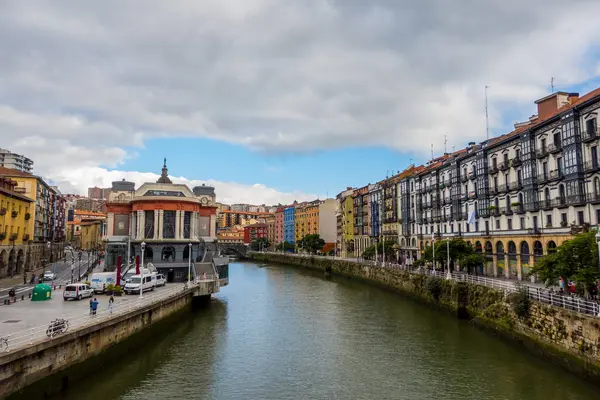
(79, 320)
(536, 293)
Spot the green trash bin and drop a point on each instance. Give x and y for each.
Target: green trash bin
(41, 292)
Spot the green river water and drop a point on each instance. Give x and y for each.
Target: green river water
(284, 333)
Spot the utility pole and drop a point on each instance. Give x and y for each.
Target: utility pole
(552, 85)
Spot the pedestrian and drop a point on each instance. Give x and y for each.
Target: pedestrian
(25, 278)
(110, 303)
(32, 281)
(561, 285)
(91, 301)
(94, 306)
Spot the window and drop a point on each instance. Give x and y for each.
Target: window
(522, 222)
(545, 170)
(549, 221)
(559, 164)
(556, 139)
(518, 153)
(506, 158)
(563, 218)
(580, 217)
(568, 130)
(543, 144)
(494, 163)
(590, 126)
(497, 224)
(598, 217)
(510, 224)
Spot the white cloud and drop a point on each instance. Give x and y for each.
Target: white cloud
(78, 180)
(80, 82)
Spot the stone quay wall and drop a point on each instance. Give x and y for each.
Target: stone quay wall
(29, 365)
(564, 337)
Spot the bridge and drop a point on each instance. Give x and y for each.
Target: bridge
(233, 249)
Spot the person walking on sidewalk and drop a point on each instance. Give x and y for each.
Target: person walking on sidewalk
(110, 304)
(94, 306)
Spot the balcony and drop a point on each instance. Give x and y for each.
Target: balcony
(436, 218)
(486, 232)
(541, 153)
(464, 178)
(576, 200)
(515, 162)
(494, 211)
(502, 188)
(506, 211)
(535, 231)
(590, 166)
(472, 195)
(464, 216)
(515, 185)
(472, 175)
(503, 166)
(493, 191)
(554, 147)
(494, 169)
(517, 208)
(589, 135)
(531, 206)
(13, 237)
(555, 175)
(545, 204)
(543, 178)
(464, 196)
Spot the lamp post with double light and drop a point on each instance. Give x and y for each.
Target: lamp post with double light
(189, 263)
(143, 245)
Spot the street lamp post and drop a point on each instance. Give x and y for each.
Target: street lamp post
(189, 263)
(142, 270)
(72, 270)
(79, 266)
(449, 275)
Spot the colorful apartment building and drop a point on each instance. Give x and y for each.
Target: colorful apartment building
(279, 225)
(15, 214)
(254, 232)
(289, 224)
(306, 219)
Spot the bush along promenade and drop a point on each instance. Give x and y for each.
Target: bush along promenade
(561, 335)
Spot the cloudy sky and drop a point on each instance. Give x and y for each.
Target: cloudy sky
(275, 100)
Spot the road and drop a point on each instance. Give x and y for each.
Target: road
(62, 269)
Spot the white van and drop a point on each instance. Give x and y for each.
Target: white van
(160, 280)
(127, 277)
(133, 286)
(77, 291)
(100, 280)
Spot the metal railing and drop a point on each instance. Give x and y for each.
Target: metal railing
(78, 320)
(536, 293)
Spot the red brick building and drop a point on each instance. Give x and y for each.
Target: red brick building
(255, 231)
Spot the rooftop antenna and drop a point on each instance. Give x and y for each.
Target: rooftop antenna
(453, 148)
(487, 122)
(552, 84)
(432, 151)
(445, 144)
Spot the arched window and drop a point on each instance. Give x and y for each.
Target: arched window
(488, 247)
(561, 193)
(551, 247)
(512, 248)
(547, 194)
(596, 186)
(478, 248)
(538, 249)
(499, 248)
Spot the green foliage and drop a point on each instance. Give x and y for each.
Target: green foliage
(388, 246)
(118, 289)
(259, 244)
(110, 287)
(285, 246)
(311, 243)
(520, 303)
(575, 259)
(434, 287)
(460, 251)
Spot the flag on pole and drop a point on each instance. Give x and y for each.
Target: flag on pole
(472, 217)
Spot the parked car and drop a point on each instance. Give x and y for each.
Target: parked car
(49, 276)
(160, 280)
(77, 291)
(133, 286)
(100, 280)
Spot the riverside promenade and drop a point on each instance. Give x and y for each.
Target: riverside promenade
(536, 291)
(29, 353)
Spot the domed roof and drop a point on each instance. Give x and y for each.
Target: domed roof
(164, 176)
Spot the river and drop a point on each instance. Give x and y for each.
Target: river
(284, 333)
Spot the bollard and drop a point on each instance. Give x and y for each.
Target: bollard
(22, 297)
(29, 294)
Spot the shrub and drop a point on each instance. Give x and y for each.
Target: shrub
(110, 287)
(520, 303)
(118, 289)
(434, 287)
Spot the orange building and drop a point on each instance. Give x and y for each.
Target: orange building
(306, 219)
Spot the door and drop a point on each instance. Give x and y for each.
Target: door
(594, 157)
(171, 276)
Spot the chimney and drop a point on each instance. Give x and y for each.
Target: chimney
(573, 97)
(549, 104)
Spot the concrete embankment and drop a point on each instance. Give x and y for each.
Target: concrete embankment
(62, 356)
(564, 337)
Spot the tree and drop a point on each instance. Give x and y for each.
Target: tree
(460, 251)
(390, 251)
(285, 246)
(311, 243)
(575, 259)
(260, 244)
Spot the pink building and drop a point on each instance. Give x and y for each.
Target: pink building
(279, 225)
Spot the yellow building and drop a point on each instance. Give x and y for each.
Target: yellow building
(15, 217)
(348, 224)
(307, 220)
(91, 234)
